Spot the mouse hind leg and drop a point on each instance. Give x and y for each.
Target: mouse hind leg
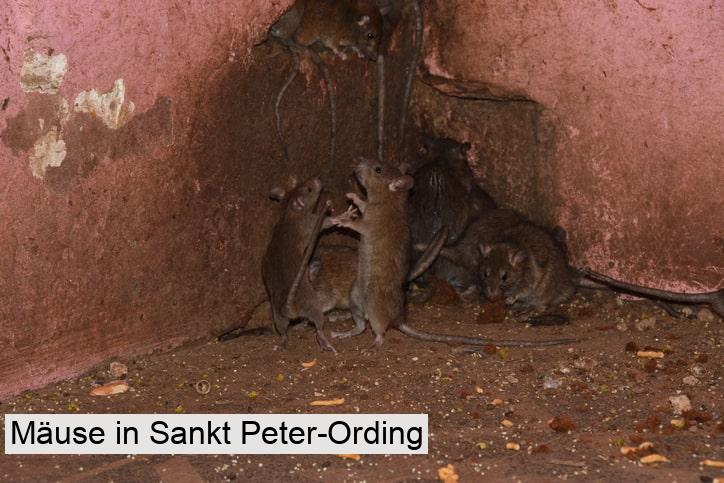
(357, 311)
(317, 318)
(281, 327)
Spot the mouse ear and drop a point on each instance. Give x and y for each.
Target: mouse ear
(402, 183)
(313, 270)
(516, 257)
(485, 249)
(363, 20)
(385, 9)
(277, 194)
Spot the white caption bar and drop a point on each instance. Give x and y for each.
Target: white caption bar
(216, 434)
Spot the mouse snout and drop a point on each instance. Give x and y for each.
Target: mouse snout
(493, 294)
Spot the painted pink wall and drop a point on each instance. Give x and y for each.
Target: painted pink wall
(636, 91)
(134, 251)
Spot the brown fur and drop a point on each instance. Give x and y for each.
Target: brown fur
(286, 259)
(377, 293)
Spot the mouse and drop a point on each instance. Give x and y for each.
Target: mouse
(331, 272)
(313, 26)
(287, 257)
(377, 294)
(445, 194)
(525, 267)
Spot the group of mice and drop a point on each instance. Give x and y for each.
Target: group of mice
(448, 225)
(450, 220)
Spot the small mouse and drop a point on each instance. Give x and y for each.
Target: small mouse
(377, 294)
(525, 267)
(313, 26)
(287, 256)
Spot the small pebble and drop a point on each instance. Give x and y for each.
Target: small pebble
(551, 382)
(706, 315)
(680, 404)
(646, 324)
(691, 381)
(118, 370)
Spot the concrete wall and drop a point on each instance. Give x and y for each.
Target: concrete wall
(116, 238)
(137, 146)
(602, 116)
(137, 150)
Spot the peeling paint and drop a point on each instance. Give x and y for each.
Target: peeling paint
(43, 73)
(109, 106)
(49, 150)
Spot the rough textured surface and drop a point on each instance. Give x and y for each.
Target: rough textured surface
(139, 219)
(629, 97)
(127, 244)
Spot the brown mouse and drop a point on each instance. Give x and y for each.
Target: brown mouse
(287, 256)
(446, 194)
(525, 267)
(377, 294)
(313, 26)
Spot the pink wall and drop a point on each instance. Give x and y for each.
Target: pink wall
(635, 92)
(126, 246)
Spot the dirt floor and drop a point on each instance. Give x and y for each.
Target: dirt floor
(570, 412)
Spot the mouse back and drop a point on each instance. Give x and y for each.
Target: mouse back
(342, 26)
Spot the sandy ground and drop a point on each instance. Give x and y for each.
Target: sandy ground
(571, 410)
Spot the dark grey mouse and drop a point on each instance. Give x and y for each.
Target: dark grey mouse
(287, 256)
(377, 294)
(445, 194)
(342, 27)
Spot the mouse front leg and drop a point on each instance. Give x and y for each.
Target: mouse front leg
(349, 220)
(357, 201)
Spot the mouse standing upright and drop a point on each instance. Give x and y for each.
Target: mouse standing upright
(287, 257)
(378, 293)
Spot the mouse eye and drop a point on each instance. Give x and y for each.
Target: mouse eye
(504, 276)
(370, 35)
(486, 273)
(378, 170)
(309, 189)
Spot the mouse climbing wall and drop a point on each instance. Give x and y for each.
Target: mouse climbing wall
(602, 117)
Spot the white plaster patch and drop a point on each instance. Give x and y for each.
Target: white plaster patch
(49, 150)
(109, 106)
(43, 73)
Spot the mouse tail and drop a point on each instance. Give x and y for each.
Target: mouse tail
(239, 330)
(430, 255)
(280, 96)
(327, 79)
(676, 297)
(412, 67)
(380, 105)
(459, 339)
